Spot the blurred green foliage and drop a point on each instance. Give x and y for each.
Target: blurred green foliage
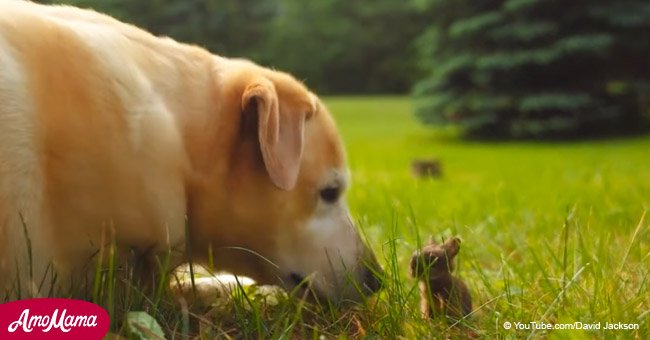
(335, 46)
(349, 46)
(536, 67)
(493, 67)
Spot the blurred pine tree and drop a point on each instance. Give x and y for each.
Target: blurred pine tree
(536, 67)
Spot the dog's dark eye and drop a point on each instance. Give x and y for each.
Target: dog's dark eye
(330, 194)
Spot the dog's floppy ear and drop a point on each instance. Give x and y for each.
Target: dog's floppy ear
(280, 135)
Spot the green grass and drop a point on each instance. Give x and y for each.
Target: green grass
(552, 232)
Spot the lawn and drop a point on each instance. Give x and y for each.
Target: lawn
(552, 232)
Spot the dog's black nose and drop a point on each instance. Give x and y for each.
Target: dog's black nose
(297, 279)
(373, 279)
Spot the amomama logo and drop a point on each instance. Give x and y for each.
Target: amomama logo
(52, 319)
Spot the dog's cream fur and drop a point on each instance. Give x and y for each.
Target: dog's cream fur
(109, 134)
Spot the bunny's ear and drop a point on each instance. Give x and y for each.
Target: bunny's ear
(452, 246)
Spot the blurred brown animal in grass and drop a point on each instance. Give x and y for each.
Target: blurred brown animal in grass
(440, 291)
(422, 168)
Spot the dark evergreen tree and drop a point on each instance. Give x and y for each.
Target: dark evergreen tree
(536, 67)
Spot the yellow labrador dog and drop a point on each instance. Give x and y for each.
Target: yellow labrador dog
(110, 133)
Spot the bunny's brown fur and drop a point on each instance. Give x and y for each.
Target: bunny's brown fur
(440, 291)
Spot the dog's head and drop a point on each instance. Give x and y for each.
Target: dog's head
(273, 204)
